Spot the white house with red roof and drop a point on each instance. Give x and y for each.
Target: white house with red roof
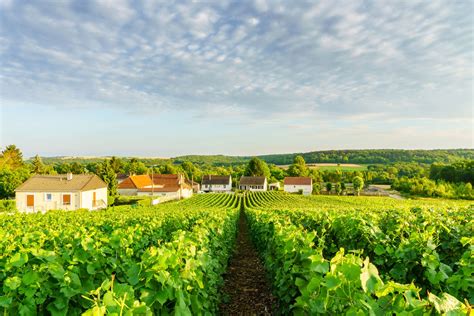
(298, 184)
(169, 186)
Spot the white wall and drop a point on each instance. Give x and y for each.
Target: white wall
(254, 187)
(87, 199)
(168, 196)
(186, 193)
(127, 192)
(42, 205)
(307, 189)
(217, 187)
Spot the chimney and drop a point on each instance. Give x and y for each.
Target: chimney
(69, 176)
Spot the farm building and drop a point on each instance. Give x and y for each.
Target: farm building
(168, 186)
(41, 193)
(213, 183)
(253, 183)
(275, 186)
(298, 184)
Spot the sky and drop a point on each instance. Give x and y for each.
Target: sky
(168, 78)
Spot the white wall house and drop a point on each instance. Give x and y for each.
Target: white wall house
(275, 186)
(253, 183)
(298, 184)
(213, 183)
(166, 186)
(41, 193)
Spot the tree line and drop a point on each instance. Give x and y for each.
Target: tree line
(453, 180)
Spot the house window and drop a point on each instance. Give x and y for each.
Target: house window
(66, 199)
(30, 200)
(49, 197)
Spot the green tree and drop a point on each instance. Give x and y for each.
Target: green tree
(108, 175)
(257, 168)
(117, 164)
(276, 172)
(337, 188)
(343, 187)
(169, 169)
(10, 180)
(298, 168)
(329, 186)
(77, 168)
(11, 157)
(136, 167)
(38, 166)
(358, 183)
(188, 168)
(316, 188)
(63, 168)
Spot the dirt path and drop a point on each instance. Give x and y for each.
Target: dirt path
(246, 287)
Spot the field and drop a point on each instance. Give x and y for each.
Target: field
(333, 166)
(319, 255)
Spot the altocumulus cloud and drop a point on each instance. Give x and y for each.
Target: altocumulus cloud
(253, 60)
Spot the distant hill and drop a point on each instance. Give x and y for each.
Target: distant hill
(363, 156)
(374, 156)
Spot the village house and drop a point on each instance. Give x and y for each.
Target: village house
(213, 183)
(298, 184)
(166, 186)
(253, 183)
(275, 186)
(41, 193)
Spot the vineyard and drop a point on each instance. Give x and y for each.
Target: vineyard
(322, 255)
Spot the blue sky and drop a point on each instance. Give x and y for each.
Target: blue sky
(165, 78)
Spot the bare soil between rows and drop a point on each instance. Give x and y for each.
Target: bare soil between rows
(246, 290)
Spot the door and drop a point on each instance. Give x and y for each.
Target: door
(94, 199)
(30, 200)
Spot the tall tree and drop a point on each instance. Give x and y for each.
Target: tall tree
(298, 168)
(107, 173)
(38, 166)
(117, 164)
(257, 167)
(358, 183)
(11, 157)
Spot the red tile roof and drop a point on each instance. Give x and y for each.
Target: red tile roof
(161, 182)
(297, 181)
(135, 182)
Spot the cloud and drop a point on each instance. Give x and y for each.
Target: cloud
(332, 59)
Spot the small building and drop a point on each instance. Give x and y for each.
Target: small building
(213, 183)
(41, 193)
(132, 184)
(195, 185)
(167, 186)
(298, 184)
(275, 186)
(253, 183)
